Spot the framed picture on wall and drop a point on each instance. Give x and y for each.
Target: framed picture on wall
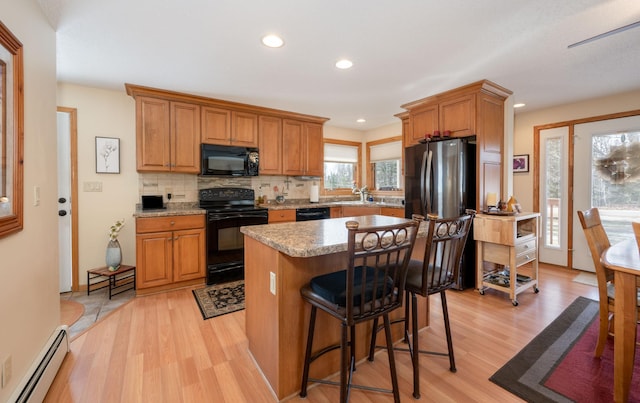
(107, 155)
(521, 163)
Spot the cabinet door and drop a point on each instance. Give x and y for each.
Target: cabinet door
(392, 212)
(270, 145)
(314, 149)
(189, 254)
(282, 216)
(216, 125)
(154, 259)
(292, 147)
(153, 147)
(356, 211)
(490, 148)
(335, 212)
(458, 116)
(423, 121)
(244, 129)
(185, 137)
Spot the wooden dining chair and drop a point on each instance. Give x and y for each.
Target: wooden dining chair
(599, 241)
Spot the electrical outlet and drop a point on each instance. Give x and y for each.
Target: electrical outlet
(272, 282)
(6, 371)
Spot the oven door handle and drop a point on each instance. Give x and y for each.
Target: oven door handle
(234, 216)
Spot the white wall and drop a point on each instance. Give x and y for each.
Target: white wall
(29, 291)
(103, 113)
(525, 121)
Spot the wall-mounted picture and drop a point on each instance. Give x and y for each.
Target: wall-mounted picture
(107, 155)
(521, 163)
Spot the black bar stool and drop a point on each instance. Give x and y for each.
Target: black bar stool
(371, 286)
(435, 273)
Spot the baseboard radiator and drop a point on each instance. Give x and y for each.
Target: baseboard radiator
(38, 379)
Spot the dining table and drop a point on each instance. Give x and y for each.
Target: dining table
(624, 259)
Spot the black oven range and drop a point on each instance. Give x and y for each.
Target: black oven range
(228, 209)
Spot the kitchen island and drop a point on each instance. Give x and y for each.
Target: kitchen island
(279, 260)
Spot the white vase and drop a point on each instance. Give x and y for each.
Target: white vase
(114, 255)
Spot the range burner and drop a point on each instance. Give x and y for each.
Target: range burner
(228, 209)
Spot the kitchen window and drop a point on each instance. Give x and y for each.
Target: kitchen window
(341, 162)
(384, 159)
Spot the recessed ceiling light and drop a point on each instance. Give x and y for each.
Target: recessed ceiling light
(361, 120)
(344, 64)
(272, 41)
(518, 105)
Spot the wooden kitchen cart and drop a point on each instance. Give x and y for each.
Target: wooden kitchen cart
(505, 243)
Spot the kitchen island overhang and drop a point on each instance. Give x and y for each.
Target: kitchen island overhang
(279, 260)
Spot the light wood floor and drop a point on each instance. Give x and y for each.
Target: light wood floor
(158, 349)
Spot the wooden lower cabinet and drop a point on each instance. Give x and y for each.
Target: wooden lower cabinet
(392, 211)
(288, 215)
(170, 251)
(356, 211)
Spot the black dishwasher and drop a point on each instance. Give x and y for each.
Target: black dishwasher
(312, 213)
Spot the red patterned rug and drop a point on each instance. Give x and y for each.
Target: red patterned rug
(558, 364)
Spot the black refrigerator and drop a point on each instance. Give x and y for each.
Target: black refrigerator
(440, 178)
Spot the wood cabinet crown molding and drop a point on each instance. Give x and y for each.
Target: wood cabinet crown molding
(138, 90)
(479, 86)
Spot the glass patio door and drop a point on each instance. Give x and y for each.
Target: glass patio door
(606, 176)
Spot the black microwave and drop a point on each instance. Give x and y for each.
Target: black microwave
(229, 161)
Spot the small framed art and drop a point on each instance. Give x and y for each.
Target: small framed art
(107, 155)
(521, 163)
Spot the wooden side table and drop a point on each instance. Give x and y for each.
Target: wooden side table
(121, 280)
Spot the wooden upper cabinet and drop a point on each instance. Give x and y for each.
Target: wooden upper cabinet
(227, 127)
(458, 116)
(153, 150)
(292, 147)
(422, 121)
(216, 125)
(270, 145)
(170, 126)
(302, 148)
(185, 137)
(244, 129)
(314, 149)
(167, 136)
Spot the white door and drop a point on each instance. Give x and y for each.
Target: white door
(64, 201)
(554, 200)
(606, 170)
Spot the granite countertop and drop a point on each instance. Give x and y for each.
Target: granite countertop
(294, 205)
(314, 238)
(170, 210)
(193, 209)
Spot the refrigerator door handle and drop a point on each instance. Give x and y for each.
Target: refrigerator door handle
(423, 190)
(426, 181)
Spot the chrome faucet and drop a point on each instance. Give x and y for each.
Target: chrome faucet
(363, 191)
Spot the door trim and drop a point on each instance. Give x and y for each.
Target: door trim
(73, 137)
(536, 171)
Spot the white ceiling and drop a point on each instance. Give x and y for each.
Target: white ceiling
(402, 50)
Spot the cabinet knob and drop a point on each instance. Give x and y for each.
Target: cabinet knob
(173, 223)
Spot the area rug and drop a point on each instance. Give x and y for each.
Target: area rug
(220, 299)
(558, 364)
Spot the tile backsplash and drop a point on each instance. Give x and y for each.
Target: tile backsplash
(184, 187)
